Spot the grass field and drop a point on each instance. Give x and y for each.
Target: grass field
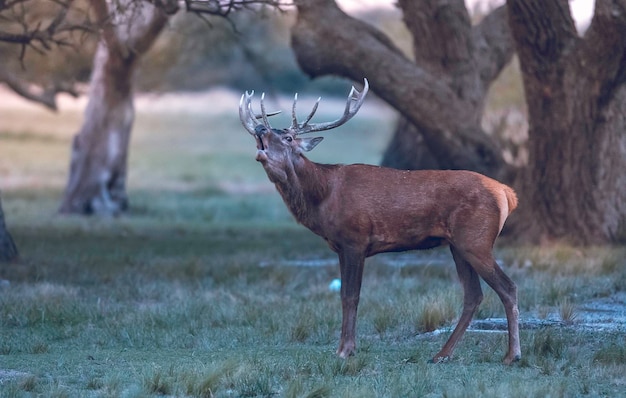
(208, 287)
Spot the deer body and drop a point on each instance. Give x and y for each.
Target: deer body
(382, 210)
(362, 210)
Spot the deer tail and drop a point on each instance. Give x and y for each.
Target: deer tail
(511, 198)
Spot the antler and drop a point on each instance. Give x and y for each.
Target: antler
(245, 112)
(355, 100)
(248, 117)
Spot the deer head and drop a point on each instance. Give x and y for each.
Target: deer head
(279, 150)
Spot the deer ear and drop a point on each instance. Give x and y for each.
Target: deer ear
(306, 144)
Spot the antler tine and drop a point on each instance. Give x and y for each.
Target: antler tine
(266, 122)
(245, 112)
(294, 118)
(350, 110)
(308, 118)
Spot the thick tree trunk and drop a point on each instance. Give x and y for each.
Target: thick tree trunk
(97, 176)
(98, 166)
(574, 187)
(8, 250)
(408, 151)
(441, 94)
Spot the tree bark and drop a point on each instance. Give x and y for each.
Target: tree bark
(98, 165)
(441, 94)
(8, 250)
(574, 187)
(408, 151)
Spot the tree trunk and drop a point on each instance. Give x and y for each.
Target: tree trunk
(8, 250)
(98, 165)
(441, 94)
(574, 187)
(407, 150)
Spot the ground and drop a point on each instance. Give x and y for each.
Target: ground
(207, 287)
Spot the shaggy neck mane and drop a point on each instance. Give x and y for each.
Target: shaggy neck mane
(303, 199)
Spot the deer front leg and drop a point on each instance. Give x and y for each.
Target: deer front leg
(351, 267)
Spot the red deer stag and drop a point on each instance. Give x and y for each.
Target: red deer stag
(362, 210)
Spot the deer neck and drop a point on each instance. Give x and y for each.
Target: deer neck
(305, 188)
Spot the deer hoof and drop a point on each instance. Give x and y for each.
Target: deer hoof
(346, 351)
(440, 359)
(509, 360)
(345, 354)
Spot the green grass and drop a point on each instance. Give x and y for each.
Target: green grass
(189, 294)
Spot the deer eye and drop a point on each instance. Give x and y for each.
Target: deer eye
(289, 138)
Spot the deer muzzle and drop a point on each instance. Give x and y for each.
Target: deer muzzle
(259, 132)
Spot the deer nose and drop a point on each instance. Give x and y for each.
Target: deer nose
(259, 130)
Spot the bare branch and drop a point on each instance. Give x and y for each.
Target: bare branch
(225, 7)
(45, 96)
(23, 26)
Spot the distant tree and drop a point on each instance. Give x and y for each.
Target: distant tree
(98, 166)
(97, 175)
(574, 186)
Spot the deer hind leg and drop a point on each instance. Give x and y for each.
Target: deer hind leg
(351, 267)
(488, 269)
(472, 297)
